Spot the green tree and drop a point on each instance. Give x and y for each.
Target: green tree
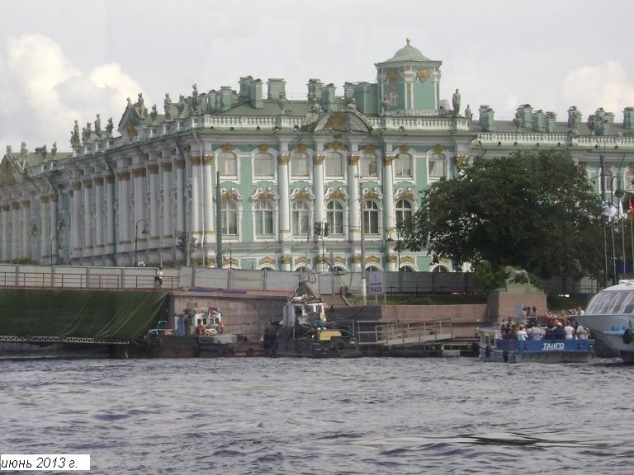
(534, 210)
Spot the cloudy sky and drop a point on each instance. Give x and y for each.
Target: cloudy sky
(62, 60)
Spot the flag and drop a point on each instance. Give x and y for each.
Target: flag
(608, 210)
(630, 208)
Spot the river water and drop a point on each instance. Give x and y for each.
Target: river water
(297, 416)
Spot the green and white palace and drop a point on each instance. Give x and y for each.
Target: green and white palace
(267, 172)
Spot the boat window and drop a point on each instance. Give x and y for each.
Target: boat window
(617, 303)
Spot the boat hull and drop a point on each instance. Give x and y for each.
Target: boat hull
(614, 331)
(309, 348)
(173, 346)
(538, 351)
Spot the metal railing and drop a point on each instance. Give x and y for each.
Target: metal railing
(402, 334)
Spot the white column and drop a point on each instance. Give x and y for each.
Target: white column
(110, 238)
(168, 227)
(26, 228)
(53, 245)
(155, 235)
(208, 203)
(178, 170)
(388, 192)
(100, 223)
(45, 235)
(285, 206)
(87, 250)
(15, 230)
(6, 212)
(354, 217)
(75, 244)
(125, 240)
(319, 190)
(195, 214)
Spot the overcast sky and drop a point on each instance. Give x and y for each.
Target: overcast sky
(62, 60)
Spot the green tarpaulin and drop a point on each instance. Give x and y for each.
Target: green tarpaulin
(79, 313)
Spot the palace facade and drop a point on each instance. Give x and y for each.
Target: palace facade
(249, 178)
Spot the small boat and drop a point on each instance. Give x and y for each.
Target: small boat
(304, 332)
(493, 347)
(610, 319)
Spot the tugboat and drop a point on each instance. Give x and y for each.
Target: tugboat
(304, 332)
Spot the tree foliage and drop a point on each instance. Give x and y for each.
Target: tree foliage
(534, 210)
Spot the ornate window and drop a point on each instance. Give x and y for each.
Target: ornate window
(394, 98)
(371, 217)
(335, 216)
(228, 164)
(300, 218)
(300, 165)
(402, 165)
(229, 216)
(334, 165)
(437, 166)
(263, 166)
(369, 165)
(403, 211)
(264, 218)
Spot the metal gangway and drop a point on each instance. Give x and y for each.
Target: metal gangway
(397, 334)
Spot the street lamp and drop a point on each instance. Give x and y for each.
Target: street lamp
(52, 241)
(136, 237)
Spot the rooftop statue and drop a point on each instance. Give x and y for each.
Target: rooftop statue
(86, 133)
(109, 128)
(180, 106)
(54, 149)
(139, 106)
(385, 104)
(98, 126)
(281, 102)
(517, 121)
(574, 118)
(9, 150)
(455, 101)
(167, 105)
(23, 149)
(154, 114)
(195, 105)
(74, 135)
(468, 114)
(352, 106)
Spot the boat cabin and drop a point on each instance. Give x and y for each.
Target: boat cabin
(302, 310)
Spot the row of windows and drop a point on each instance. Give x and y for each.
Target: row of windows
(335, 165)
(265, 217)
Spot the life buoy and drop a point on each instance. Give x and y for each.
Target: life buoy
(505, 355)
(340, 346)
(627, 336)
(487, 351)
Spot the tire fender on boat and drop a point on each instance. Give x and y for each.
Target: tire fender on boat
(340, 346)
(627, 336)
(505, 355)
(487, 351)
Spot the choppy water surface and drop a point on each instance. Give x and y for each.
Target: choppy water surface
(291, 416)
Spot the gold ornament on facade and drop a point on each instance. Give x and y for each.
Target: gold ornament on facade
(407, 260)
(301, 148)
(335, 146)
(43, 199)
(461, 161)
(584, 165)
(391, 259)
(138, 172)
(15, 205)
(166, 166)
(353, 159)
(393, 75)
(403, 149)
(266, 261)
(372, 260)
(319, 159)
(631, 167)
(286, 260)
(110, 179)
(179, 163)
(438, 149)
(283, 159)
(98, 181)
(422, 75)
(76, 185)
(229, 195)
(263, 148)
(208, 159)
(87, 183)
(336, 136)
(227, 148)
(338, 194)
(370, 149)
(356, 259)
(301, 260)
(337, 121)
(371, 195)
(388, 159)
(153, 168)
(132, 133)
(195, 161)
(302, 195)
(26, 204)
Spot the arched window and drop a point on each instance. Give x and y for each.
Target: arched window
(264, 213)
(403, 211)
(300, 218)
(437, 166)
(403, 165)
(335, 217)
(334, 165)
(393, 98)
(299, 165)
(369, 165)
(263, 165)
(227, 164)
(371, 218)
(229, 216)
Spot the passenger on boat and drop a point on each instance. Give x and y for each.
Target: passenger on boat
(535, 332)
(569, 331)
(558, 332)
(521, 334)
(200, 328)
(581, 332)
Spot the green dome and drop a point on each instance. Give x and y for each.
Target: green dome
(407, 53)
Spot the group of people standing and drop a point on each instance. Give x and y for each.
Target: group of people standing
(550, 327)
